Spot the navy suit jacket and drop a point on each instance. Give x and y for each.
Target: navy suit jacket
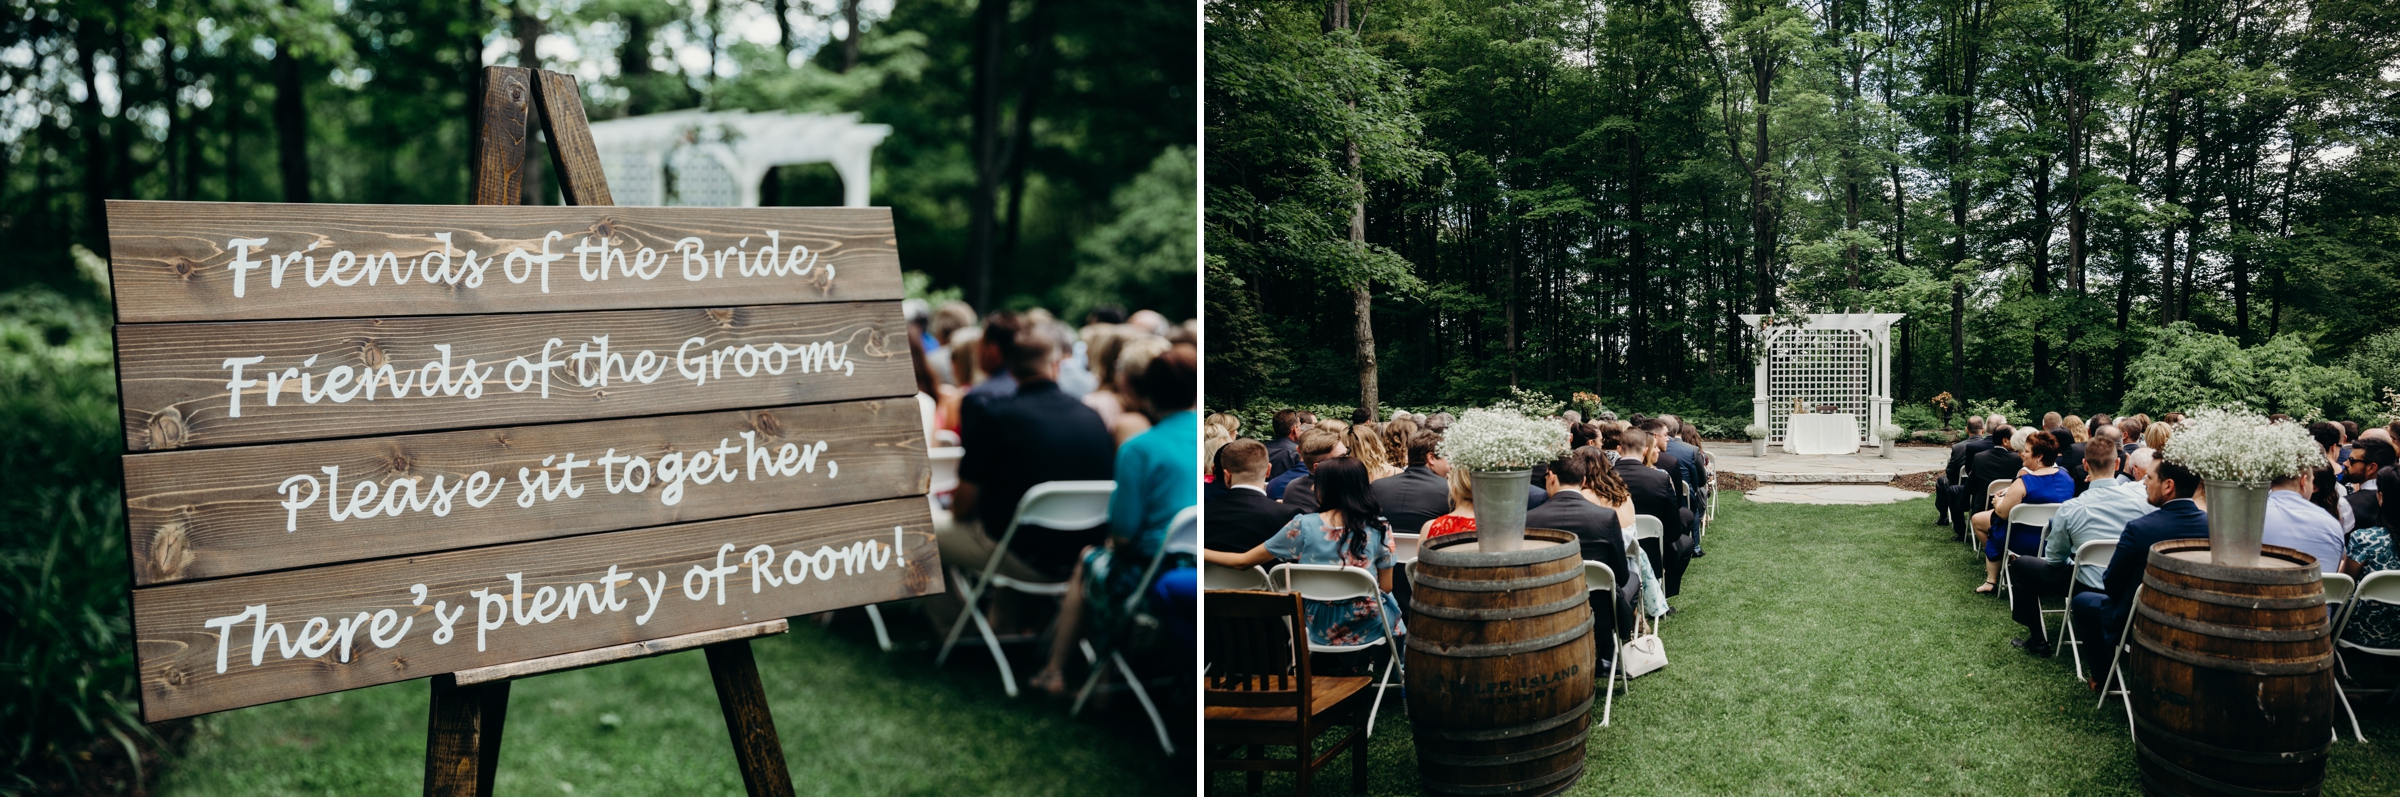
(2180, 519)
(1688, 468)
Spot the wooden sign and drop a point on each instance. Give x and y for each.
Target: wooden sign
(370, 444)
(224, 261)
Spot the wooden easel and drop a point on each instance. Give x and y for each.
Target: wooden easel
(470, 707)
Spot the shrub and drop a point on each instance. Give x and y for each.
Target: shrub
(68, 644)
(1914, 416)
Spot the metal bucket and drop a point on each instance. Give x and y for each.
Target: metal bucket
(2237, 522)
(1500, 507)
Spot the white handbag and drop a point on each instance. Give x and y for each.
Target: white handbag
(1642, 655)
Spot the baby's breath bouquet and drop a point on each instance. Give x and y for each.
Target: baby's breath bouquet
(2225, 445)
(1495, 440)
(2238, 454)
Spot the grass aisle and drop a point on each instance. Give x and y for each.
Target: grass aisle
(1839, 650)
(852, 720)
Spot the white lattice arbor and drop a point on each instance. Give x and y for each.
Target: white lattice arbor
(1843, 359)
(718, 158)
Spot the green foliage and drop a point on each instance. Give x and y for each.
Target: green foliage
(1530, 403)
(1986, 407)
(919, 285)
(2185, 369)
(68, 666)
(2377, 360)
(1147, 256)
(1915, 417)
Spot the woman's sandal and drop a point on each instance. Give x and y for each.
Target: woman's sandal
(1988, 588)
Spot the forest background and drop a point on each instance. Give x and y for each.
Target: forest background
(2081, 205)
(1042, 154)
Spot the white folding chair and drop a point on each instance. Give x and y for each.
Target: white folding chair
(1598, 578)
(945, 437)
(2036, 515)
(1060, 506)
(1991, 498)
(1647, 527)
(1337, 583)
(945, 467)
(2339, 590)
(2095, 553)
(1183, 538)
(1216, 576)
(2379, 587)
(1404, 547)
(1714, 487)
(2116, 654)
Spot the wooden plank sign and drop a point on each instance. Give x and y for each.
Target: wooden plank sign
(370, 444)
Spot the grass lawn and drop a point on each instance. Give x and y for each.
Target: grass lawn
(853, 720)
(1839, 650)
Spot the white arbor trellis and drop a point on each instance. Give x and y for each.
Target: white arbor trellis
(718, 158)
(1842, 359)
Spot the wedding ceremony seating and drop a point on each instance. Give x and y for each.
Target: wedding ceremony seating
(1260, 690)
(1336, 583)
(1061, 506)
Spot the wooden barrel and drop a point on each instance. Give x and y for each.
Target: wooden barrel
(1500, 665)
(2231, 673)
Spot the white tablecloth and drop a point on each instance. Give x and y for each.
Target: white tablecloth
(1821, 433)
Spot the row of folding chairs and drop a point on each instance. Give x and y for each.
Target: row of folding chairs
(1066, 505)
(1321, 583)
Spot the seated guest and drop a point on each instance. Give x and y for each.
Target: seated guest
(1653, 493)
(2070, 454)
(1999, 463)
(1950, 491)
(1241, 517)
(2100, 513)
(1346, 533)
(2295, 522)
(1595, 527)
(2373, 625)
(1365, 443)
(1396, 435)
(1462, 506)
(1283, 452)
(994, 350)
(2369, 458)
(1316, 446)
(2120, 470)
(2131, 429)
(1039, 434)
(1157, 478)
(2099, 617)
(2156, 436)
(2041, 481)
(1419, 493)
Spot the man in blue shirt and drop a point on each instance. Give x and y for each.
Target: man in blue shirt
(2100, 616)
(1294, 486)
(2099, 514)
(2295, 522)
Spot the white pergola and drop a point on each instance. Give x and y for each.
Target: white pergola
(719, 158)
(1843, 359)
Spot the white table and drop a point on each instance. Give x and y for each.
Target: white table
(1821, 433)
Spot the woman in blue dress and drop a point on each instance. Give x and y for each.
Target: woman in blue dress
(2041, 481)
(1349, 531)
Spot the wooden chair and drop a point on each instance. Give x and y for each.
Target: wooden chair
(1259, 690)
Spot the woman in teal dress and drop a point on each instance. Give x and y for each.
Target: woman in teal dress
(1349, 532)
(2370, 550)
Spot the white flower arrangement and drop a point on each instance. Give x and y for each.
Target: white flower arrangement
(2229, 445)
(1755, 431)
(1890, 432)
(1501, 440)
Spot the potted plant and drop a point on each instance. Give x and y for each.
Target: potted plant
(1500, 449)
(2238, 454)
(1758, 439)
(1890, 434)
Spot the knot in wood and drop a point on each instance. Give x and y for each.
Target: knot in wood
(766, 424)
(185, 267)
(723, 316)
(167, 429)
(372, 354)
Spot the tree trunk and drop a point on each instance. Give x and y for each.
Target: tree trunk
(2045, 373)
(172, 149)
(93, 128)
(783, 26)
(1762, 219)
(1016, 153)
(849, 35)
(991, 28)
(291, 125)
(528, 27)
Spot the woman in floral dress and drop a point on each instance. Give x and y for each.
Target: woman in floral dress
(1349, 532)
(2370, 550)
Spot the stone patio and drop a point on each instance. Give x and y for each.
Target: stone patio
(1840, 494)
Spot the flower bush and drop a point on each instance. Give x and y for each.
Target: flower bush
(2231, 445)
(1501, 440)
(1755, 431)
(1890, 432)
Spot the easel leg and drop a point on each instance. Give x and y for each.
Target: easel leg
(462, 737)
(748, 719)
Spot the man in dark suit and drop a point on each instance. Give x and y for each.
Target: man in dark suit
(2367, 458)
(2100, 616)
(1996, 464)
(2070, 456)
(1654, 495)
(1954, 479)
(1296, 486)
(1283, 452)
(1603, 541)
(1418, 494)
(1243, 516)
